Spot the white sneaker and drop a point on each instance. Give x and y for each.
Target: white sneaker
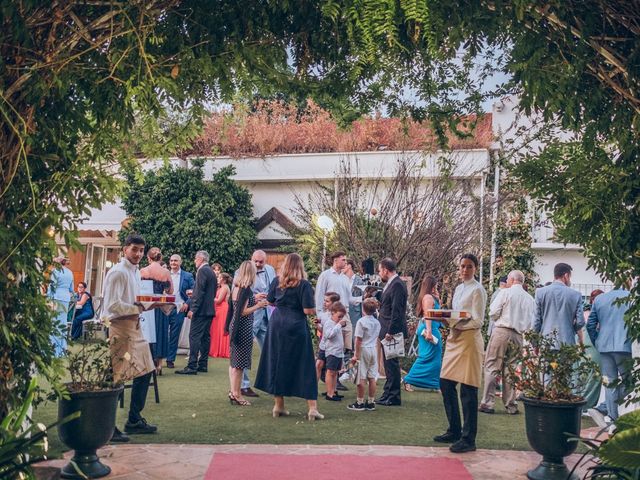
(598, 417)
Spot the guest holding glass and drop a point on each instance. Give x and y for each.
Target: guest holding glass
(462, 362)
(162, 283)
(425, 372)
(239, 324)
(287, 367)
(84, 310)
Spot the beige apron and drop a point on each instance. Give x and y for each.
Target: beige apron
(130, 353)
(462, 361)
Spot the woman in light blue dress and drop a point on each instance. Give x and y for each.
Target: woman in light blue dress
(59, 292)
(425, 372)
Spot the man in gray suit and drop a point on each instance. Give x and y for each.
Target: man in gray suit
(559, 307)
(610, 336)
(265, 274)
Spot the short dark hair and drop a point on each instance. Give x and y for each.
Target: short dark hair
(503, 279)
(472, 257)
(134, 239)
(369, 306)
(333, 296)
(351, 261)
(84, 284)
(561, 269)
(337, 307)
(335, 255)
(389, 264)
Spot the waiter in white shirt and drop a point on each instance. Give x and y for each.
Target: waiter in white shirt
(512, 310)
(130, 353)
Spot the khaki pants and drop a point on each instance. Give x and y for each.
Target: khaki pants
(494, 366)
(347, 335)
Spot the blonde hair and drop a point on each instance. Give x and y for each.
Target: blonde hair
(246, 274)
(292, 271)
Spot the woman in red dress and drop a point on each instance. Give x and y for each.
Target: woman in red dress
(219, 339)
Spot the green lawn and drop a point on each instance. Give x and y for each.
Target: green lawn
(195, 409)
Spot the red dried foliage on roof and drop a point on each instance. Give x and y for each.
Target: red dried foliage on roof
(275, 127)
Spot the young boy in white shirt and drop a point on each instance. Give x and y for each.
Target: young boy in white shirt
(324, 317)
(334, 348)
(366, 356)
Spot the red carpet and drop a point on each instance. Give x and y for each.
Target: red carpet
(239, 466)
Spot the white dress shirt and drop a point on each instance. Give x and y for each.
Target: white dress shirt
(471, 297)
(513, 308)
(175, 279)
(121, 286)
(332, 281)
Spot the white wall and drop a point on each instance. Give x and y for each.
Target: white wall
(583, 278)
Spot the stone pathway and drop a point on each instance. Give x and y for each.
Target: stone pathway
(190, 462)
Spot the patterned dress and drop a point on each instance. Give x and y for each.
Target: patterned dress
(240, 351)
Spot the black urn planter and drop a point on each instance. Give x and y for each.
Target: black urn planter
(92, 430)
(549, 427)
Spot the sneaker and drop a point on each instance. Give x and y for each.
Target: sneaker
(358, 407)
(324, 394)
(598, 417)
(119, 437)
(462, 446)
(484, 409)
(335, 398)
(139, 427)
(370, 406)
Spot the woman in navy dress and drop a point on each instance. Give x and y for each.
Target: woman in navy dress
(161, 284)
(287, 365)
(425, 372)
(84, 310)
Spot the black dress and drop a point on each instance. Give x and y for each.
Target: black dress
(287, 366)
(160, 349)
(242, 343)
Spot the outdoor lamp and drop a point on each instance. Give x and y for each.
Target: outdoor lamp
(326, 224)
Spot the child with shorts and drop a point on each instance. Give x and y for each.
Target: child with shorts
(324, 317)
(334, 348)
(366, 356)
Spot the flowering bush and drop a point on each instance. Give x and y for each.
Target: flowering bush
(275, 127)
(544, 371)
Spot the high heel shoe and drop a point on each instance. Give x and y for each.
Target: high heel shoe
(314, 415)
(280, 413)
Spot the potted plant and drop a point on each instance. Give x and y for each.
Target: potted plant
(94, 394)
(549, 378)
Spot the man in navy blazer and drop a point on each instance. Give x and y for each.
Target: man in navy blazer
(559, 307)
(182, 281)
(392, 315)
(610, 336)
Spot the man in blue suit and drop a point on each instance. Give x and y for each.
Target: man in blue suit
(182, 281)
(610, 336)
(265, 274)
(559, 307)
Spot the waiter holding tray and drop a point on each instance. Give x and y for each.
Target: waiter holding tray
(130, 353)
(462, 361)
